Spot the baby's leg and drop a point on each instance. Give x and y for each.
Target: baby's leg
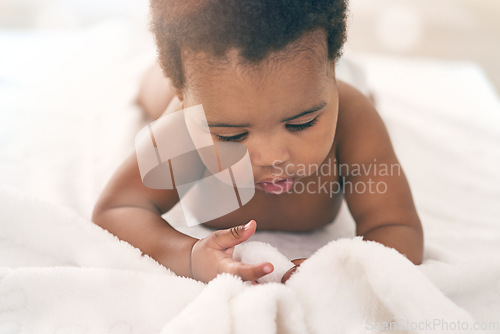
(155, 93)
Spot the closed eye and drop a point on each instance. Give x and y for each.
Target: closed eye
(239, 137)
(291, 127)
(303, 126)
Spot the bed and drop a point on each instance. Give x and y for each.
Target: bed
(68, 119)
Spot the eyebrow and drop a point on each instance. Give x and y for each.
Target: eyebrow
(306, 112)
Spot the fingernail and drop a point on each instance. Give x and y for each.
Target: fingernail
(267, 269)
(247, 225)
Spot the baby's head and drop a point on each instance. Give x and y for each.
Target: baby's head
(264, 71)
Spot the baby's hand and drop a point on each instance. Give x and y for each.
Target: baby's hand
(292, 270)
(213, 255)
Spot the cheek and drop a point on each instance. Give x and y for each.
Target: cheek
(330, 124)
(328, 127)
(316, 143)
(320, 138)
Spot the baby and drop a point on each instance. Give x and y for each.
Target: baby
(264, 72)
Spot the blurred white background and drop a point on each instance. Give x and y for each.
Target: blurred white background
(449, 29)
(66, 14)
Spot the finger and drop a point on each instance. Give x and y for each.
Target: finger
(288, 274)
(248, 272)
(230, 237)
(297, 262)
(253, 272)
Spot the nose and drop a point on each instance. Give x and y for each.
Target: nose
(269, 153)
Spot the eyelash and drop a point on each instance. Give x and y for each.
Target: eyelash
(300, 127)
(239, 137)
(291, 127)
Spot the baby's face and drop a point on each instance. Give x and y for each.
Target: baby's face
(284, 111)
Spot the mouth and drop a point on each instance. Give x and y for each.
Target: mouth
(276, 186)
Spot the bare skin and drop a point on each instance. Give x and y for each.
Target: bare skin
(346, 130)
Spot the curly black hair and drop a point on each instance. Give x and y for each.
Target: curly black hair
(254, 27)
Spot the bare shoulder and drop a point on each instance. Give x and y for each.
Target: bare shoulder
(355, 109)
(155, 93)
(361, 132)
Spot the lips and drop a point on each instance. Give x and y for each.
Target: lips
(276, 186)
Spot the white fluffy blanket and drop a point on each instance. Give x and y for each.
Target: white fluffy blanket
(67, 119)
(61, 272)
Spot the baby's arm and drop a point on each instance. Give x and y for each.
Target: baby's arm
(132, 212)
(388, 215)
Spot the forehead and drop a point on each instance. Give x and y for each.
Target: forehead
(285, 82)
(305, 59)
